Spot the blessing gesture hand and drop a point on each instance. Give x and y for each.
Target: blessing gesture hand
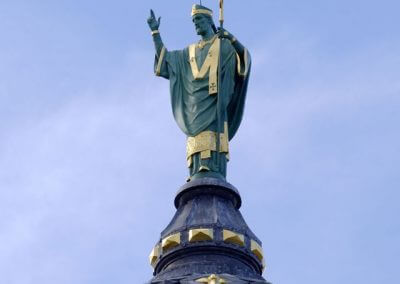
(154, 24)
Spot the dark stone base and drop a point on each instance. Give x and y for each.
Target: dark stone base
(213, 204)
(230, 279)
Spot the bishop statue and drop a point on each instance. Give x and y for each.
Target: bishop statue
(208, 85)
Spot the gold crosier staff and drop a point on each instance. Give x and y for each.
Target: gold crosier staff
(218, 142)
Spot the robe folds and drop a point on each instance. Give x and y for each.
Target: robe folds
(193, 107)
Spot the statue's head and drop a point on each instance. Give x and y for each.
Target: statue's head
(202, 19)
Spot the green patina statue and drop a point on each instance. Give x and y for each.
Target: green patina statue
(208, 85)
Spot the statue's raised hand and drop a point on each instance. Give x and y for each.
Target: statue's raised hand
(154, 24)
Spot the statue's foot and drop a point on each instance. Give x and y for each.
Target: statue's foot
(204, 169)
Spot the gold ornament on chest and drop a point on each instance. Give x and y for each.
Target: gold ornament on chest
(202, 43)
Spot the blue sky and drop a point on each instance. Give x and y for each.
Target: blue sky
(90, 157)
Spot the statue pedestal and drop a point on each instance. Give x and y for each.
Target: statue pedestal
(208, 240)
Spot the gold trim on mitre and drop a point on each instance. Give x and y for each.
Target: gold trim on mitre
(200, 11)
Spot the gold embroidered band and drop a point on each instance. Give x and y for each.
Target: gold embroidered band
(160, 61)
(205, 142)
(210, 64)
(246, 64)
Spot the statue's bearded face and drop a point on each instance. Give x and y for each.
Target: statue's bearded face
(201, 23)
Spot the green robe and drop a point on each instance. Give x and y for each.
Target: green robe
(194, 109)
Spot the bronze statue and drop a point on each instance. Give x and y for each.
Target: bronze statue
(208, 85)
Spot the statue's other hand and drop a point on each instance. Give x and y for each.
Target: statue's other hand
(222, 33)
(154, 24)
